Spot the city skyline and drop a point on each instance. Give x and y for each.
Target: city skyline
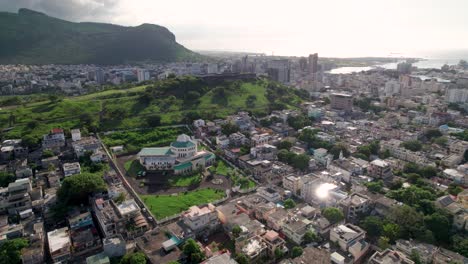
(333, 29)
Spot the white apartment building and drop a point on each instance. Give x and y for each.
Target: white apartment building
(201, 219)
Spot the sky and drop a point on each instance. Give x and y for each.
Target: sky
(334, 28)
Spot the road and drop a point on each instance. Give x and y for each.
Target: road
(113, 164)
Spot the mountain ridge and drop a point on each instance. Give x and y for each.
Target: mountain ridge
(31, 37)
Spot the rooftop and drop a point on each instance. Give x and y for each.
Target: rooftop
(155, 151)
(58, 239)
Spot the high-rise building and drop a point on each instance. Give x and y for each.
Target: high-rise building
(313, 63)
(279, 70)
(143, 75)
(99, 76)
(303, 64)
(341, 101)
(212, 68)
(404, 67)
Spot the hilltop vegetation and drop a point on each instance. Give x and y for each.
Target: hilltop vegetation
(31, 37)
(167, 102)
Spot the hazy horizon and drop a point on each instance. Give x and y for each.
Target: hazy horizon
(335, 28)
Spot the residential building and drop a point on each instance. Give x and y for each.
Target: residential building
(70, 169)
(76, 134)
(143, 75)
(341, 101)
(55, 139)
(254, 249)
(86, 144)
(16, 198)
(425, 251)
(295, 227)
(59, 245)
(292, 183)
(201, 220)
(83, 234)
(114, 219)
(355, 205)
(273, 241)
(389, 256)
(380, 169)
(350, 238)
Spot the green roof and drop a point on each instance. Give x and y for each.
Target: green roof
(182, 144)
(207, 157)
(183, 166)
(155, 151)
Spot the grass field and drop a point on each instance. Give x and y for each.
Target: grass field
(224, 169)
(166, 205)
(125, 109)
(133, 167)
(185, 180)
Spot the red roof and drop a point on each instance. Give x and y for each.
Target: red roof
(56, 130)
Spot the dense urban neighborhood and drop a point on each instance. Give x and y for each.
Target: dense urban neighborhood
(250, 159)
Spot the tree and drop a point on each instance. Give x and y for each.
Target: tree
(439, 225)
(460, 245)
(154, 120)
(134, 258)
(310, 236)
(289, 203)
(411, 195)
(278, 253)
(373, 225)
(76, 188)
(383, 243)
(285, 156)
(242, 259)
(10, 250)
(391, 231)
(428, 172)
(337, 149)
(333, 214)
(193, 251)
(463, 64)
(375, 187)
(236, 231)
(6, 178)
(415, 257)
(454, 189)
(296, 252)
(285, 145)
(228, 129)
(442, 141)
(47, 153)
(120, 198)
(300, 161)
(413, 145)
(53, 98)
(408, 219)
(432, 133)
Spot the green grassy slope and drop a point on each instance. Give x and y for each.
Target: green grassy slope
(31, 37)
(175, 101)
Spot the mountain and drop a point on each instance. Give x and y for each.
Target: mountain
(30, 37)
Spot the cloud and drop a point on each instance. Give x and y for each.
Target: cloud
(74, 10)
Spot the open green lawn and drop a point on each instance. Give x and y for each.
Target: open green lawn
(185, 180)
(125, 109)
(135, 140)
(111, 93)
(133, 167)
(222, 168)
(166, 205)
